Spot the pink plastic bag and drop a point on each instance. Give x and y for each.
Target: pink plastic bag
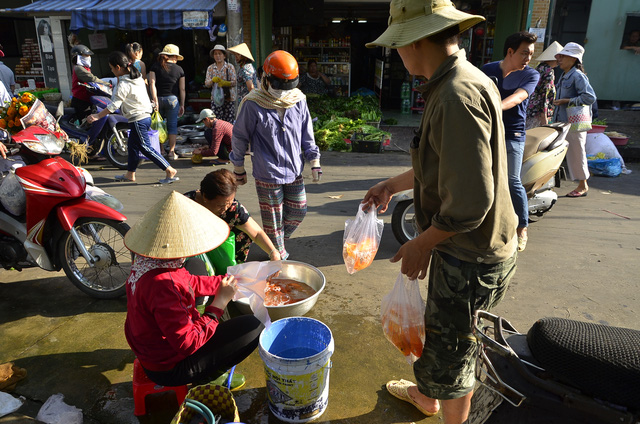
(402, 316)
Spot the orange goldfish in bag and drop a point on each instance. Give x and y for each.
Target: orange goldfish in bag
(358, 256)
(361, 239)
(402, 317)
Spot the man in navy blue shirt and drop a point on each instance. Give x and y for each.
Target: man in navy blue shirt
(516, 82)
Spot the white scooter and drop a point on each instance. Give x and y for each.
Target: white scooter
(544, 151)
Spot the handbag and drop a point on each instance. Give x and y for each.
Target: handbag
(209, 399)
(579, 116)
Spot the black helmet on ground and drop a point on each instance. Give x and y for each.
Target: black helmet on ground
(80, 49)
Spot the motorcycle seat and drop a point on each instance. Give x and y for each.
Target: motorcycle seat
(600, 360)
(539, 139)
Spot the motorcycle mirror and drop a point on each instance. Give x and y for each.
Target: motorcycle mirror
(4, 135)
(60, 110)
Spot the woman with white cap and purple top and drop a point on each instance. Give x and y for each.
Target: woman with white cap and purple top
(574, 89)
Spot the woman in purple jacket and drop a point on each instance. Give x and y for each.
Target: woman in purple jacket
(275, 121)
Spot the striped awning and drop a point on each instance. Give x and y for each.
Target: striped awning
(142, 14)
(131, 14)
(53, 6)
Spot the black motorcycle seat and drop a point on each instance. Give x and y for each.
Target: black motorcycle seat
(539, 139)
(600, 360)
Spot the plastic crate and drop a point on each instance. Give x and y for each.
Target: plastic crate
(365, 146)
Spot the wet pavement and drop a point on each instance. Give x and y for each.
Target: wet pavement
(581, 262)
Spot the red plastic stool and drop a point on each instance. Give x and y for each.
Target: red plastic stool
(142, 387)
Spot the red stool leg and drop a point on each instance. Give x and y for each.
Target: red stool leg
(143, 386)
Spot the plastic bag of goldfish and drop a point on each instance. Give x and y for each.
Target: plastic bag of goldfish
(361, 239)
(402, 316)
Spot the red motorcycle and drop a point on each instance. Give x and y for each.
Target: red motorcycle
(53, 225)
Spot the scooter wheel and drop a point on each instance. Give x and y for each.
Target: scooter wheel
(403, 221)
(106, 277)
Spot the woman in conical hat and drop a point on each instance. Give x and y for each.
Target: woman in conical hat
(246, 73)
(174, 343)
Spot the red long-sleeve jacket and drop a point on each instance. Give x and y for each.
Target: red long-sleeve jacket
(163, 325)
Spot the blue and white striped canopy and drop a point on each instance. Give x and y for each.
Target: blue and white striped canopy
(130, 14)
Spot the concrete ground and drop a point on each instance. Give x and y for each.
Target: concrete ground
(582, 262)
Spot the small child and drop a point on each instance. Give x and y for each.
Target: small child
(130, 96)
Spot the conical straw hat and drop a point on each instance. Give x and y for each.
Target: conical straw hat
(243, 50)
(176, 227)
(550, 52)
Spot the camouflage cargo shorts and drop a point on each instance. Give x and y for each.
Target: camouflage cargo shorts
(446, 369)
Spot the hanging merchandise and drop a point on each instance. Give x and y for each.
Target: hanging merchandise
(212, 33)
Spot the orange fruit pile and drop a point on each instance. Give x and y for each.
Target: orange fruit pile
(11, 113)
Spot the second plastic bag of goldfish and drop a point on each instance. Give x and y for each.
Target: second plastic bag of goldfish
(402, 316)
(361, 239)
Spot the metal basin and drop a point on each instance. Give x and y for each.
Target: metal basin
(298, 271)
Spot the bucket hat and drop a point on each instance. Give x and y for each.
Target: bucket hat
(550, 52)
(176, 227)
(172, 50)
(218, 47)
(205, 113)
(572, 50)
(243, 50)
(412, 20)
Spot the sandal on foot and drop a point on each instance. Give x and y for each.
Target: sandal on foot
(123, 179)
(576, 193)
(169, 180)
(400, 389)
(522, 243)
(219, 162)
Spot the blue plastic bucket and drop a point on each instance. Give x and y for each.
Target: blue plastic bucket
(297, 353)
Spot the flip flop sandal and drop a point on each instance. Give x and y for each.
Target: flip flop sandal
(399, 389)
(522, 243)
(123, 179)
(575, 193)
(169, 180)
(219, 162)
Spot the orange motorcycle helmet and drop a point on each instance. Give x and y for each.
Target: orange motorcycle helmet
(281, 70)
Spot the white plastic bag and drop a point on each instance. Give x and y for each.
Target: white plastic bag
(55, 411)
(217, 95)
(601, 143)
(361, 239)
(12, 195)
(402, 316)
(9, 404)
(251, 281)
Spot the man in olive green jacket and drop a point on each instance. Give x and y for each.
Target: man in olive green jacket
(463, 207)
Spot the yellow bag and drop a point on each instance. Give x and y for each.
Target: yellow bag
(210, 399)
(158, 124)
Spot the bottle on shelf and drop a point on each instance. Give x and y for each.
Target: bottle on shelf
(406, 106)
(406, 90)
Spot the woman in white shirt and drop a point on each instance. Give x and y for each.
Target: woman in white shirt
(130, 96)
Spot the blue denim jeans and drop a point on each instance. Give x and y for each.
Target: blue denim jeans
(169, 108)
(515, 152)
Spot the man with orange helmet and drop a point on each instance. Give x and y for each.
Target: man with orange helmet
(275, 121)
